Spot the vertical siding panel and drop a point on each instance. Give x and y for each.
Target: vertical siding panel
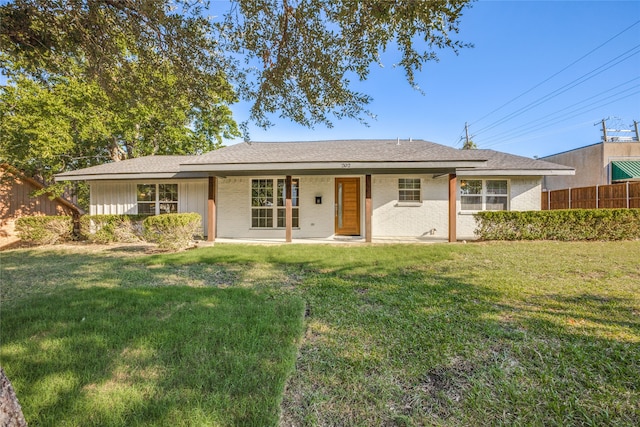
(192, 196)
(130, 199)
(113, 200)
(121, 199)
(183, 197)
(92, 206)
(117, 200)
(130, 205)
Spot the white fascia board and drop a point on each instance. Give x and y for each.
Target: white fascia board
(121, 176)
(515, 172)
(212, 167)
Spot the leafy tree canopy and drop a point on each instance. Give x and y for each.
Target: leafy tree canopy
(92, 80)
(469, 145)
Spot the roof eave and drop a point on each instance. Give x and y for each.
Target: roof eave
(121, 176)
(320, 167)
(515, 172)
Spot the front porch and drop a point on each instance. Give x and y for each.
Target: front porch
(365, 233)
(333, 240)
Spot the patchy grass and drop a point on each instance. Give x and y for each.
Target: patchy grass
(535, 333)
(95, 341)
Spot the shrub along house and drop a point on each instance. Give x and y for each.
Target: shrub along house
(326, 189)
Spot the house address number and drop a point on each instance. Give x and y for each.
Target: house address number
(346, 165)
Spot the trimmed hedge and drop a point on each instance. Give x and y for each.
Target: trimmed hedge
(565, 225)
(112, 228)
(45, 230)
(173, 231)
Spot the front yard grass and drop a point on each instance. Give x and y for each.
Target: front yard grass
(527, 333)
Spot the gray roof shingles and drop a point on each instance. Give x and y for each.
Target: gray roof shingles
(139, 165)
(504, 161)
(321, 151)
(333, 151)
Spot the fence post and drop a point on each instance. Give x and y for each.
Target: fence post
(569, 197)
(628, 195)
(597, 197)
(549, 200)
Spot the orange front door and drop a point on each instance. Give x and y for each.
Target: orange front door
(347, 209)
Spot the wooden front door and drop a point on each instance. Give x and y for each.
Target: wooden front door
(347, 209)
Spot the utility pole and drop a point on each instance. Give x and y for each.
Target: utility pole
(468, 144)
(466, 131)
(635, 125)
(604, 130)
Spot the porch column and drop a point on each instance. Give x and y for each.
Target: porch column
(367, 209)
(288, 209)
(211, 210)
(453, 237)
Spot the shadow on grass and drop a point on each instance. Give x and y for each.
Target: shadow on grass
(424, 348)
(343, 261)
(163, 356)
(395, 335)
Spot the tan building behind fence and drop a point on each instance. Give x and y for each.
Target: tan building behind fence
(613, 160)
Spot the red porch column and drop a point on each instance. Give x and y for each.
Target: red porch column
(288, 209)
(453, 237)
(368, 209)
(211, 210)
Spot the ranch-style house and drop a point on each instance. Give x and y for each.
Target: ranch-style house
(367, 189)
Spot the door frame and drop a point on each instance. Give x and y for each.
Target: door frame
(357, 206)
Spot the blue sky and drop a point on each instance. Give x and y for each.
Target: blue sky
(544, 59)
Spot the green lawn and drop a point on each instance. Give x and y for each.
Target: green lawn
(532, 333)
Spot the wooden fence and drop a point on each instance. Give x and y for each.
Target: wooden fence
(624, 195)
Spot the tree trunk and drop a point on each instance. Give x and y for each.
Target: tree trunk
(10, 410)
(115, 151)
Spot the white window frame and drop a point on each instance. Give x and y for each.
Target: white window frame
(484, 194)
(276, 204)
(406, 180)
(157, 200)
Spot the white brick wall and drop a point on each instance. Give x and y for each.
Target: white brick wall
(316, 220)
(428, 219)
(524, 195)
(391, 218)
(234, 208)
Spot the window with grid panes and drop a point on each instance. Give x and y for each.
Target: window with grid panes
(264, 208)
(262, 203)
(282, 197)
(409, 190)
(484, 194)
(154, 199)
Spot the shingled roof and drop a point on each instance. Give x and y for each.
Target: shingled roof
(508, 163)
(358, 156)
(158, 166)
(363, 150)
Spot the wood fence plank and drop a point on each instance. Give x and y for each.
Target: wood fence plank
(613, 196)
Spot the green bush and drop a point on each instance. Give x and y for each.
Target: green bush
(112, 228)
(574, 224)
(173, 231)
(45, 230)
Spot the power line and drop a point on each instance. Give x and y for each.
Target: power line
(582, 79)
(459, 138)
(512, 139)
(555, 74)
(504, 140)
(529, 124)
